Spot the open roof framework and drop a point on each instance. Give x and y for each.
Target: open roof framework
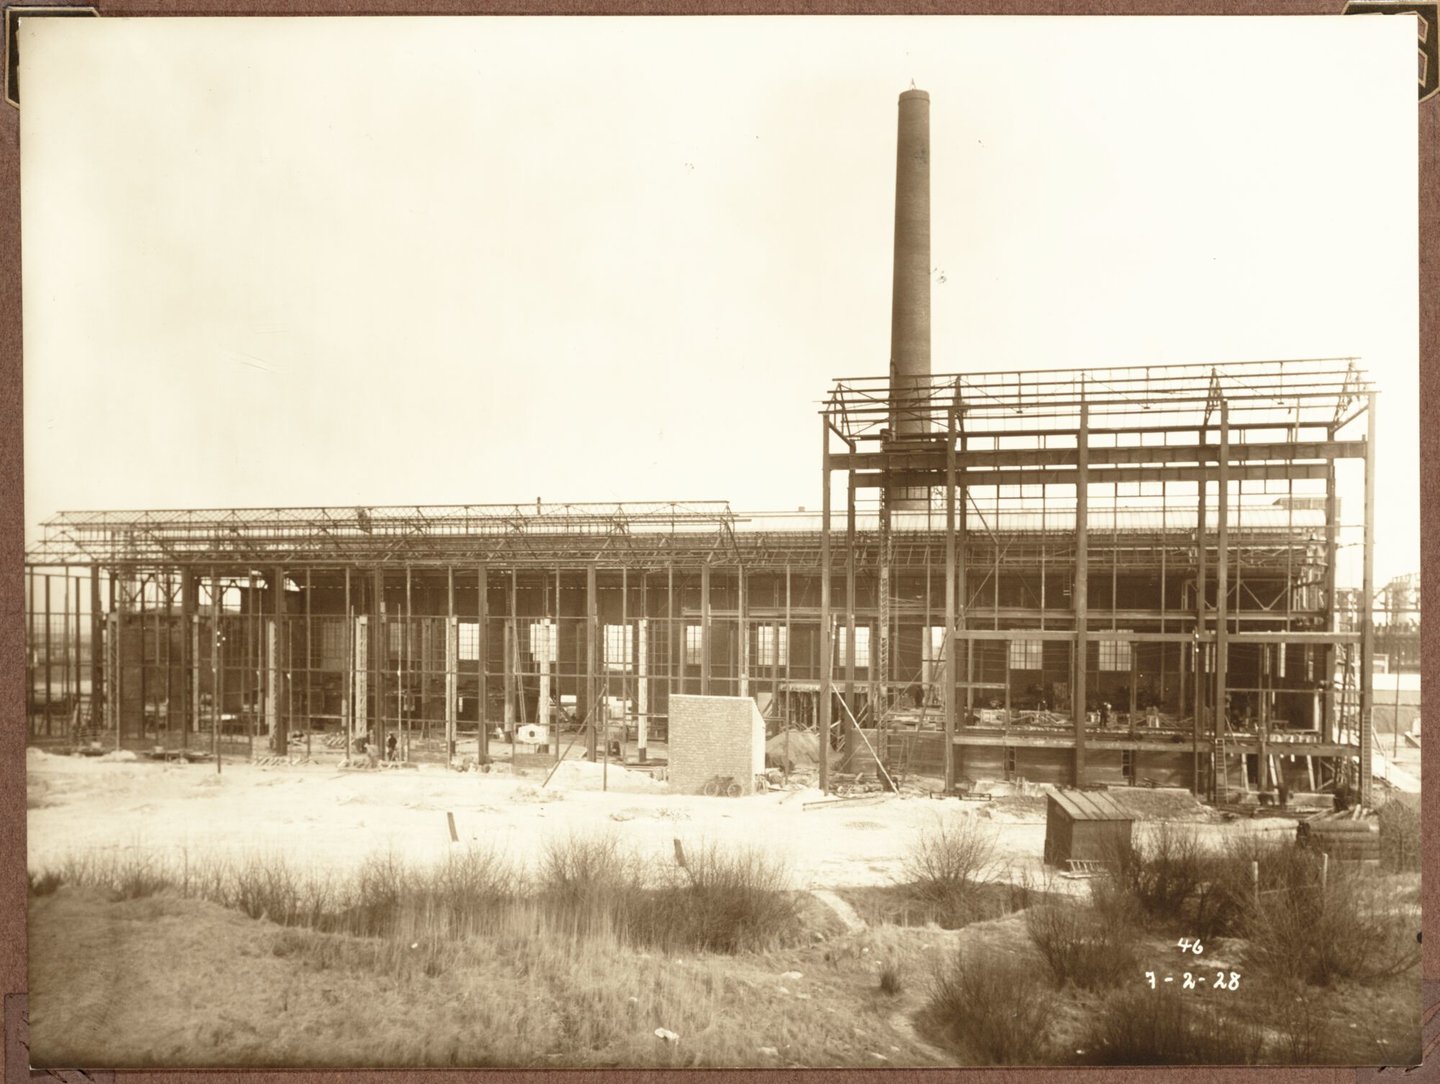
(1226, 474)
(989, 453)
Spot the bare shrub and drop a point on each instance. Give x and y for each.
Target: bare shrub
(1320, 934)
(43, 884)
(946, 863)
(378, 893)
(892, 979)
(267, 888)
(1162, 873)
(1400, 834)
(1140, 1026)
(462, 894)
(1082, 945)
(1115, 906)
(1224, 903)
(726, 901)
(136, 876)
(587, 879)
(1027, 890)
(722, 901)
(993, 1006)
(1300, 1023)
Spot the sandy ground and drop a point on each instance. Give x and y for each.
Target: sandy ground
(323, 818)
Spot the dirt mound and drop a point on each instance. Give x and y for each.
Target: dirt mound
(801, 747)
(587, 775)
(1014, 809)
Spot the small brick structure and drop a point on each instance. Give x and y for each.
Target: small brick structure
(715, 736)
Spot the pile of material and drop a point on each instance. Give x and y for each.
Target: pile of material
(588, 775)
(1352, 835)
(797, 749)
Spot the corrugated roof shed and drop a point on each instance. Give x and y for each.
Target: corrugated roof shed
(1089, 805)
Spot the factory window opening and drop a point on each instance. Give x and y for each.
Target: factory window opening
(694, 646)
(1027, 654)
(772, 646)
(399, 643)
(619, 647)
(1115, 655)
(333, 643)
(862, 645)
(542, 642)
(469, 641)
(933, 646)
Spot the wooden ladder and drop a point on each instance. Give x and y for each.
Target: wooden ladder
(900, 767)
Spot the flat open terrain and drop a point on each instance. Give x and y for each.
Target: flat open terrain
(165, 980)
(318, 815)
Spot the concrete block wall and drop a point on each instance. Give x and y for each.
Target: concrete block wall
(715, 735)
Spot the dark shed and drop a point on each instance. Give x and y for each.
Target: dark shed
(1086, 825)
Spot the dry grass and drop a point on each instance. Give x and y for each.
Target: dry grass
(892, 979)
(993, 1006)
(1082, 945)
(471, 963)
(722, 901)
(1164, 1027)
(1299, 1023)
(528, 993)
(903, 905)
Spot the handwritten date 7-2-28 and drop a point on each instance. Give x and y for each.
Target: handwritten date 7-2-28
(1224, 980)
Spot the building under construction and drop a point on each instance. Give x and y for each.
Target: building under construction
(1105, 576)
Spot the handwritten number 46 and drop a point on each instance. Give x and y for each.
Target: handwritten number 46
(1190, 944)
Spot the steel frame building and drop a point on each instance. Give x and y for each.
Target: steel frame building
(1015, 543)
(1045, 477)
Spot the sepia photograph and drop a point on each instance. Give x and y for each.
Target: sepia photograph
(777, 542)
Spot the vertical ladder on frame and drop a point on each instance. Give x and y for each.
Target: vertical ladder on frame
(84, 728)
(899, 766)
(1222, 764)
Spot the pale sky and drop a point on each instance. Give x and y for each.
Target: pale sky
(398, 261)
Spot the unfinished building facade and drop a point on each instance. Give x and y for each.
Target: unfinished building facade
(1096, 577)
